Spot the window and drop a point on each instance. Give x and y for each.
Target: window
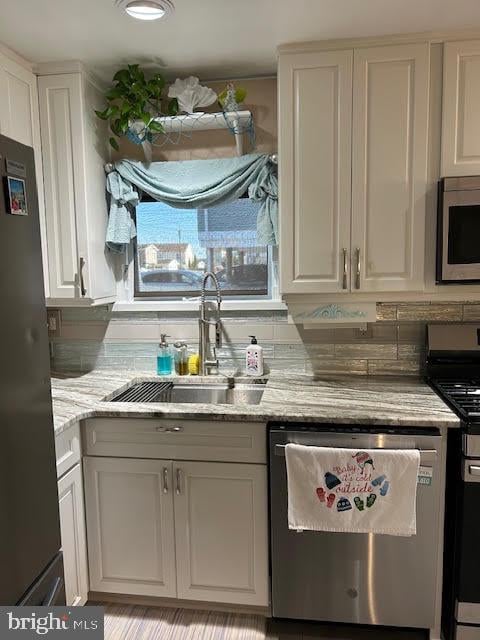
(175, 247)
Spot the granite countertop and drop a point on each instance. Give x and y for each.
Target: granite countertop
(386, 401)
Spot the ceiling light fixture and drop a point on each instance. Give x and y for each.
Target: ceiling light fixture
(146, 9)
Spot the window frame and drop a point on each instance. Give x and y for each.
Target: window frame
(238, 294)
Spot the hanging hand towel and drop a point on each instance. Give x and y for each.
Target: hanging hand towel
(350, 491)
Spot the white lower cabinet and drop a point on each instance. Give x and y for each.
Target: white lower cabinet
(131, 545)
(221, 532)
(72, 527)
(189, 530)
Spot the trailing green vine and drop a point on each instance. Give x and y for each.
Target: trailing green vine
(134, 98)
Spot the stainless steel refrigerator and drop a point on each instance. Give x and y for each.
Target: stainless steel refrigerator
(31, 567)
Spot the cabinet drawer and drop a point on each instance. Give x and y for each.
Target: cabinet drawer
(67, 449)
(176, 439)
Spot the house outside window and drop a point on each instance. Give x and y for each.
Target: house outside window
(175, 247)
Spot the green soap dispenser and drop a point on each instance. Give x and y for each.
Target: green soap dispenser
(164, 357)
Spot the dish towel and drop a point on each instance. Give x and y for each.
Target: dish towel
(352, 491)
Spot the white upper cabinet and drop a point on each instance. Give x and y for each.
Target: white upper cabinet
(19, 120)
(19, 104)
(74, 147)
(4, 101)
(315, 107)
(461, 100)
(353, 169)
(389, 167)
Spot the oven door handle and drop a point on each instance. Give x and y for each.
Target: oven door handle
(426, 455)
(471, 472)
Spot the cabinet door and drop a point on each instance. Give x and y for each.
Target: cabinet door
(18, 103)
(4, 104)
(72, 527)
(19, 120)
(461, 119)
(129, 507)
(390, 126)
(62, 145)
(221, 516)
(315, 109)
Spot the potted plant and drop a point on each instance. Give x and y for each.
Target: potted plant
(133, 104)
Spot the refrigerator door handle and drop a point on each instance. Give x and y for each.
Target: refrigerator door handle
(52, 594)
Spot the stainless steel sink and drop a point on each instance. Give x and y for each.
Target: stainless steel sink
(229, 392)
(215, 393)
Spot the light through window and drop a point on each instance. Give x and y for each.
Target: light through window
(175, 247)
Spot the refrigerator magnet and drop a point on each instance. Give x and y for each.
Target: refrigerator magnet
(16, 196)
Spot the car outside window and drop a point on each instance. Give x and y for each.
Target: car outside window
(175, 247)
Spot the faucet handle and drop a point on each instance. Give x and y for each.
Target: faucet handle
(218, 334)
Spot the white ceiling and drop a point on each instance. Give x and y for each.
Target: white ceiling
(211, 38)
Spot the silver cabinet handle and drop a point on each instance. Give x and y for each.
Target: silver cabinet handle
(345, 269)
(83, 291)
(474, 470)
(165, 480)
(169, 429)
(357, 273)
(178, 488)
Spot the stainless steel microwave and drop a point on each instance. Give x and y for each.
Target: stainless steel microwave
(458, 230)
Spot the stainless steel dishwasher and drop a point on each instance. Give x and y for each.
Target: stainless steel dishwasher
(352, 577)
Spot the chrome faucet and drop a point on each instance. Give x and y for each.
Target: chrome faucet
(207, 351)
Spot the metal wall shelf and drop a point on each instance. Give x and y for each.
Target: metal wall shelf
(238, 122)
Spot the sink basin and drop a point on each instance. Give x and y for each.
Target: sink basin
(215, 393)
(241, 393)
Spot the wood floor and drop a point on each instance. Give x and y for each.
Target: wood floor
(128, 622)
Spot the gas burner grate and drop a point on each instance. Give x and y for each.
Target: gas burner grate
(463, 395)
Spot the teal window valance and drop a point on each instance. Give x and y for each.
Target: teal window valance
(192, 184)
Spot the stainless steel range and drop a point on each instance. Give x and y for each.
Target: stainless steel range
(453, 370)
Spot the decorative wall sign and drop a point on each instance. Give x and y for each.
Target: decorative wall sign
(332, 313)
(16, 196)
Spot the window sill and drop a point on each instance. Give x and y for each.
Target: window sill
(187, 305)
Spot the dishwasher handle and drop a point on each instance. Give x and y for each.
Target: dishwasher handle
(426, 455)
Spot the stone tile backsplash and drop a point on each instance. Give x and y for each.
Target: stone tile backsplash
(394, 345)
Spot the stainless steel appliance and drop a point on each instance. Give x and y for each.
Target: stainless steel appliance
(453, 369)
(458, 230)
(357, 578)
(30, 558)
